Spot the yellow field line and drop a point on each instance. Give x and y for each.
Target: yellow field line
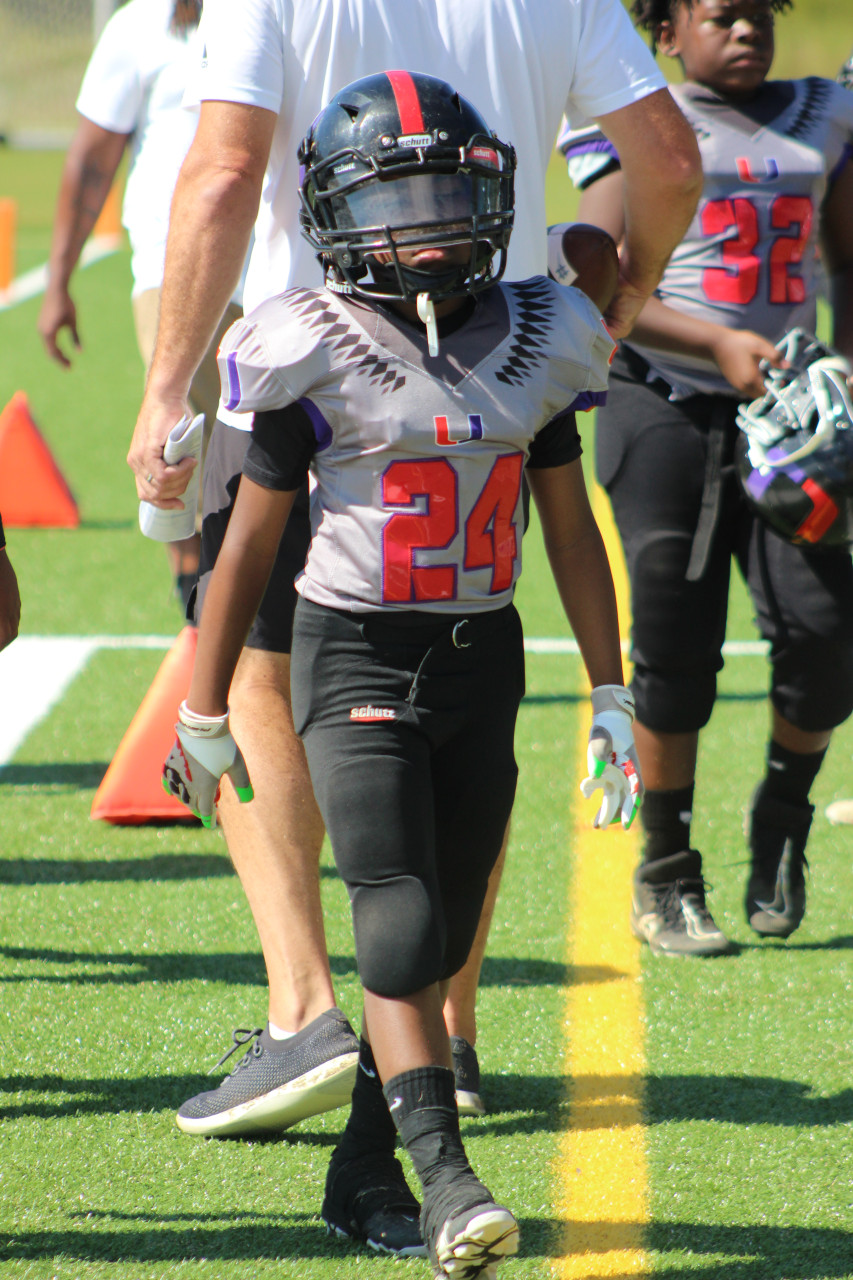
(603, 1183)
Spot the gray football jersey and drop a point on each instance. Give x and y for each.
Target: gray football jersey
(418, 463)
(748, 260)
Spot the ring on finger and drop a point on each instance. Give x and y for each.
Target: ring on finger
(149, 478)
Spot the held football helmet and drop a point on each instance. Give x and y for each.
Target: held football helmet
(400, 161)
(795, 451)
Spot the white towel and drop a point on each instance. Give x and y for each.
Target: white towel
(184, 441)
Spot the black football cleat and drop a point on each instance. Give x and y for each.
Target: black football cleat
(776, 891)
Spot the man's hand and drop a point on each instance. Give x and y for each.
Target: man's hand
(203, 752)
(157, 483)
(612, 758)
(10, 601)
(625, 305)
(58, 312)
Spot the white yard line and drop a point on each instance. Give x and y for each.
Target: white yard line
(731, 648)
(34, 674)
(35, 671)
(32, 283)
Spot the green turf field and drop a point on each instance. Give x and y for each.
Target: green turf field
(127, 955)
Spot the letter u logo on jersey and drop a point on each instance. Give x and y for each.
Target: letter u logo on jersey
(473, 430)
(744, 170)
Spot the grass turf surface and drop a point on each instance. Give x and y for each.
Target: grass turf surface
(127, 955)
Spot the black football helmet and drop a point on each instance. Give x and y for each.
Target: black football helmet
(795, 451)
(400, 160)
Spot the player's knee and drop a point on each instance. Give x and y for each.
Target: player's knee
(676, 643)
(458, 947)
(813, 684)
(670, 626)
(399, 943)
(671, 701)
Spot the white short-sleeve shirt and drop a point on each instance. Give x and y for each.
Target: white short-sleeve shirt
(522, 63)
(135, 84)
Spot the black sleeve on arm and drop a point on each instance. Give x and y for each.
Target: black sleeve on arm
(2, 534)
(282, 446)
(557, 443)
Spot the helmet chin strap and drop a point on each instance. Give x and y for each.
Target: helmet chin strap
(426, 313)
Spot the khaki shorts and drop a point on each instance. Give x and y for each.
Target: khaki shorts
(205, 387)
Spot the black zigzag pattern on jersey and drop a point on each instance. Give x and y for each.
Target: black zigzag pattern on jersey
(535, 305)
(817, 96)
(321, 314)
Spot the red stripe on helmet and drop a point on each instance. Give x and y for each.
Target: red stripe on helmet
(821, 518)
(408, 104)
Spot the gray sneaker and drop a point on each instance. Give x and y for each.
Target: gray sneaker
(466, 1069)
(278, 1082)
(669, 910)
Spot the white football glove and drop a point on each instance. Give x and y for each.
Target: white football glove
(203, 751)
(612, 757)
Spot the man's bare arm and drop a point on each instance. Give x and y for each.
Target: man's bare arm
(87, 175)
(662, 177)
(213, 211)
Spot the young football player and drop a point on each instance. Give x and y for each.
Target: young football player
(418, 391)
(778, 183)
(260, 84)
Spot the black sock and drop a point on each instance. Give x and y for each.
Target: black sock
(423, 1105)
(370, 1126)
(666, 817)
(789, 775)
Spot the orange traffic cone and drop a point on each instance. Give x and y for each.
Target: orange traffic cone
(8, 223)
(131, 791)
(108, 225)
(33, 490)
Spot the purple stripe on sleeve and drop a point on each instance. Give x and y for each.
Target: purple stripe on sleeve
(322, 430)
(234, 392)
(580, 148)
(587, 400)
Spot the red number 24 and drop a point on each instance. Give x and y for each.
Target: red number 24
(490, 534)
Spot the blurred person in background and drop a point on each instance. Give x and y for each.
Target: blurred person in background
(130, 102)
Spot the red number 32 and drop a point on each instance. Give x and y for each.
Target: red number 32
(737, 279)
(490, 533)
